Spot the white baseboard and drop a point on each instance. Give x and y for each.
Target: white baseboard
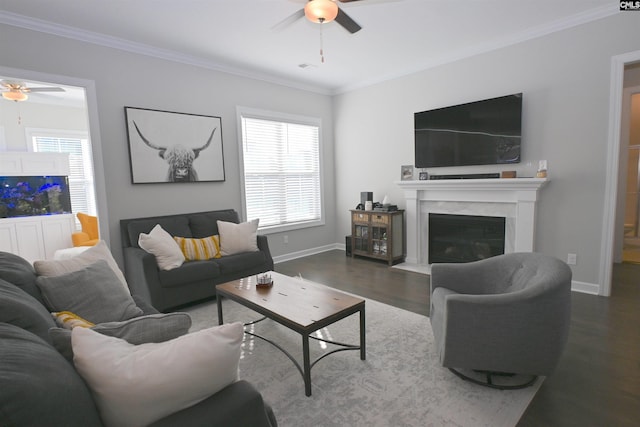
(300, 254)
(585, 288)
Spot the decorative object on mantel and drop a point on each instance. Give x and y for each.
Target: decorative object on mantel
(423, 176)
(188, 145)
(406, 172)
(542, 169)
(508, 174)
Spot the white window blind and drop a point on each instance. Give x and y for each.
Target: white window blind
(80, 168)
(281, 162)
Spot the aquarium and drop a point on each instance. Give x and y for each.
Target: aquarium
(34, 195)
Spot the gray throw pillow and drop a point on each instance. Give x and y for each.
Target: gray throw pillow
(93, 293)
(139, 330)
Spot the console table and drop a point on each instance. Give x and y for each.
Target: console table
(378, 234)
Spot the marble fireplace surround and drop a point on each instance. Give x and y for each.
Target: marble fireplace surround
(512, 198)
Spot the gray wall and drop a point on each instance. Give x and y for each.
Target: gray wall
(126, 79)
(565, 79)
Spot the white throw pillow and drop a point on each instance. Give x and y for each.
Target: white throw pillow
(79, 262)
(160, 243)
(237, 238)
(135, 385)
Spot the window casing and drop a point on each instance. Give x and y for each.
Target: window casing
(81, 181)
(281, 168)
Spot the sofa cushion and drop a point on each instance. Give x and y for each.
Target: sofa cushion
(39, 386)
(176, 226)
(125, 381)
(93, 293)
(21, 309)
(205, 224)
(17, 270)
(139, 330)
(238, 238)
(192, 271)
(80, 261)
(236, 263)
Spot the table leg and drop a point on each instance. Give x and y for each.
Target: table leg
(307, 365)
(219, 304)
(362, 336)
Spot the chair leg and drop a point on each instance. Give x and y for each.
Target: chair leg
(490, 379)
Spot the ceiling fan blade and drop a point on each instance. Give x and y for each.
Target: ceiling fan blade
(43, 89)
(348, 23)
(288, 20)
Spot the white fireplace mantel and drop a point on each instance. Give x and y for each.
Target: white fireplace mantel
(513, 198)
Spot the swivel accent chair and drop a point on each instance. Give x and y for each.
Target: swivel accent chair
(501, 316)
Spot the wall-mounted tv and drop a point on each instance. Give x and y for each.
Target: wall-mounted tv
(486, 132)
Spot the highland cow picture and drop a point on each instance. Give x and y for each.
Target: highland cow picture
(172, 147)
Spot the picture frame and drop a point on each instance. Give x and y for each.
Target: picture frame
(406, 172)
(172, 147)
(423, 176)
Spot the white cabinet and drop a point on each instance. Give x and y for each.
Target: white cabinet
(36, 237)
(28, 163)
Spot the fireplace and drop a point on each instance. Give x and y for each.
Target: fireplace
(464, 238)
(513, 199)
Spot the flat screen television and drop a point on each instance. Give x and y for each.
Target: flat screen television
(486, 132)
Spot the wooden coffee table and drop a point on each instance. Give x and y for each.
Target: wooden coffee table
(301, 306)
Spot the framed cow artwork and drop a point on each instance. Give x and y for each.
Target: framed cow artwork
(165, 146)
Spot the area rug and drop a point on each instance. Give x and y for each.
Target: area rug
(400, 383)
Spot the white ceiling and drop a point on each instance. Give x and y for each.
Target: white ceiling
(398, 37)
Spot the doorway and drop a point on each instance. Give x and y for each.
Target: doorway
(631, 233)
(79, 94)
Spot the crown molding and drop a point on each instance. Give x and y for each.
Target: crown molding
(77, 34)
(530, 34)
(47, 27)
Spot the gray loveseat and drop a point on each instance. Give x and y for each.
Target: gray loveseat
(39, 386)
(194, 280)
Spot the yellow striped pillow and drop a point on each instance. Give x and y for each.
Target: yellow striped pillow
(69, 320)
(199, 249)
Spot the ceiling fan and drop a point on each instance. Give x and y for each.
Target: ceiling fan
(324, 11)
(18, 91)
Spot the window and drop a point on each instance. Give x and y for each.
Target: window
(80, 163)
(281, 162)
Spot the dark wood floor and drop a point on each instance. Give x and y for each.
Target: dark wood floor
(597, 382)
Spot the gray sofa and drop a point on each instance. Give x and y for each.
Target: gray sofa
(505, 314)
(194, 280)
(39, 386)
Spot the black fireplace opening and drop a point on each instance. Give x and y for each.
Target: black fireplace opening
(465, 238)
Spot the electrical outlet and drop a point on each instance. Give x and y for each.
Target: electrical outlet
(572, 259)
(286, 239)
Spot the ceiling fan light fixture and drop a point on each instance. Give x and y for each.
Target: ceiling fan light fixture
(321, 11)
(15, 95)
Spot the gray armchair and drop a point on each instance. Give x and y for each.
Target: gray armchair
(504, 315)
